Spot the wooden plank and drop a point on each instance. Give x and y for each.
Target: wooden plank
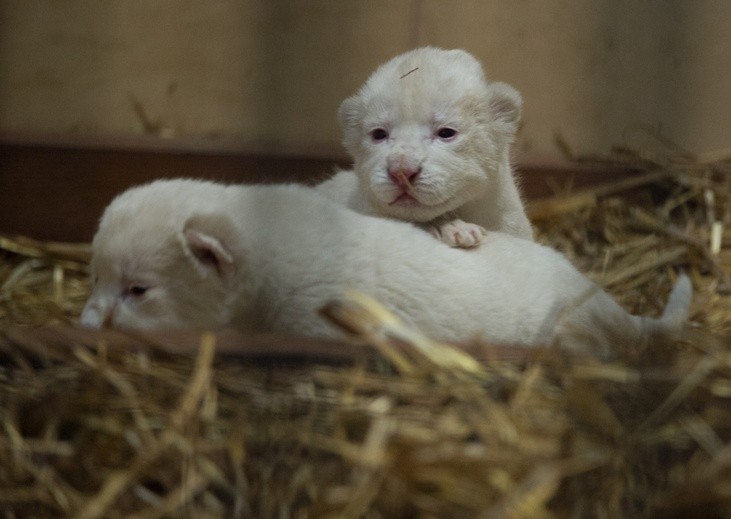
(58, 342)
(57, 192)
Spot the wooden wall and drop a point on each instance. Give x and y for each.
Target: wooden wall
(98, 95)
(268, 75)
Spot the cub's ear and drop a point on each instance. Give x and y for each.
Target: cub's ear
(349, 113)
(506, 105)
(206, 242)
(349, 117)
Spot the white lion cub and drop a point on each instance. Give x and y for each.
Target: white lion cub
(191, 254)
(430, 139)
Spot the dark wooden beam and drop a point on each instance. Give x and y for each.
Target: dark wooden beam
(57, 192)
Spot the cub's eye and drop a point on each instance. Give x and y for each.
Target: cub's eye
(379, 134)
(446, 133)
(137, 290)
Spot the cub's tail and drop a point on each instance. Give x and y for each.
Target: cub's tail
(676, 310)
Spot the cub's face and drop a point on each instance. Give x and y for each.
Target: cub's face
(137, 292)
(151, 286)
(147, 273)
(428, 133)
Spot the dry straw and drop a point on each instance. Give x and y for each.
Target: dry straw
(390, 424)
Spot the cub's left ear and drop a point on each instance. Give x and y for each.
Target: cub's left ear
(506, 105)
(204, 240)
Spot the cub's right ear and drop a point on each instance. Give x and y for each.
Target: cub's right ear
(349, 117)
(207, 242)
(349, 113)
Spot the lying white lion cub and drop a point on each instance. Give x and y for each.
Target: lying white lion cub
(194, 254)
(430, 139)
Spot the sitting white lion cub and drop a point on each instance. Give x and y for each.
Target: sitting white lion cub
(430, 139)
(193, 254)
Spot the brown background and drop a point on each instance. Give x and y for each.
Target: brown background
(97, 95)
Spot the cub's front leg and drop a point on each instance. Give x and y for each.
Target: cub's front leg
(459, 234)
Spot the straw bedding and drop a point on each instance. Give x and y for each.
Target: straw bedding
(390, 424)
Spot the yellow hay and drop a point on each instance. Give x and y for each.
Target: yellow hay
(390, 424)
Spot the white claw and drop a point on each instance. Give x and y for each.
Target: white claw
(459, 234)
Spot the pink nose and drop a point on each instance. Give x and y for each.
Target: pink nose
(403, 177)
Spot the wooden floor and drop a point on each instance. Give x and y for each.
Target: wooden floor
(58, 192)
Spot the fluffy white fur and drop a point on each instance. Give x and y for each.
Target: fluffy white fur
(430, 139)
(193, 254)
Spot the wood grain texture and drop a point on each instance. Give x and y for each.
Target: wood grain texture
(58, 192)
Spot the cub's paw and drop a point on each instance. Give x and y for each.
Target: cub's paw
(457, 233)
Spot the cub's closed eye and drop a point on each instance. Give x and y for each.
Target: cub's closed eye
(379, 134)
(137, 290)
(446, 133)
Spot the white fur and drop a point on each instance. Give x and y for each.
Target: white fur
(464, 184)
(267, 258)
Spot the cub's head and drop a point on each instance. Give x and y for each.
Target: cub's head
(160, 262)
(428, 133)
